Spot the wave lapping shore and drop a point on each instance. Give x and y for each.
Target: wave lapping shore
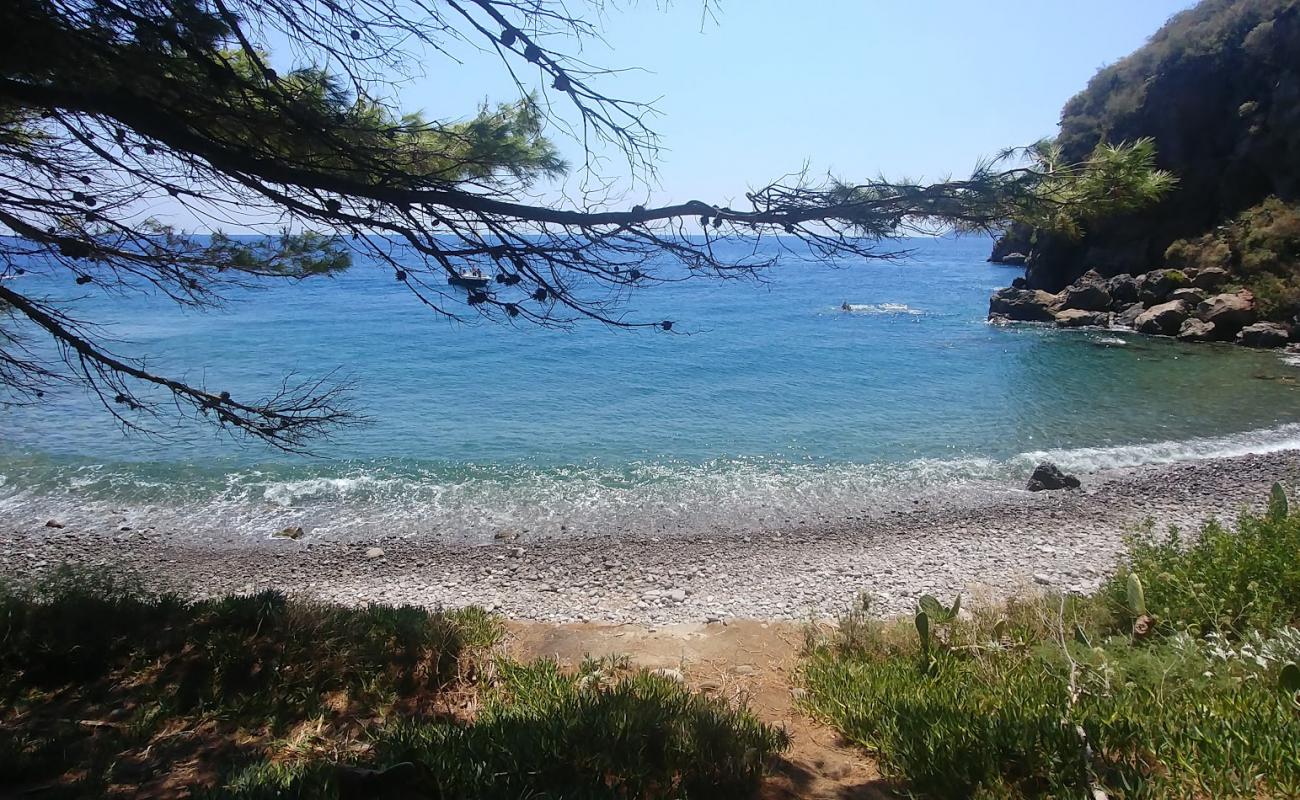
(1011, 541)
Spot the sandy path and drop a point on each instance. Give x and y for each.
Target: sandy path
(743, 661)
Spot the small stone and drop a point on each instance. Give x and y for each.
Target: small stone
(291, 532)
(744, 669)
(54, 523)
(515, 552)
(1042, 579)
(374, 552)
(676, 595)
(837, 770)
(670, 674)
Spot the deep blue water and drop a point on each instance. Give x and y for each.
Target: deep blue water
(776, 405)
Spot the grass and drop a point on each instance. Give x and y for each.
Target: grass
(107, 690)
(1056, 696)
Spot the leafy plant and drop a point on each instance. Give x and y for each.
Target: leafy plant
(1261, 246)
(1278, 507)
(301, 699)
(1206, 706)
(931, 611)
(1289, 678)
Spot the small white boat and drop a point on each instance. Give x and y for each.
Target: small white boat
(469, 280)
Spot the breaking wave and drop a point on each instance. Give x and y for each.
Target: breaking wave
(474, 503)
(881, 308)
(1091, 459)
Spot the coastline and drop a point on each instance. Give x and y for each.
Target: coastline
(1011, 542)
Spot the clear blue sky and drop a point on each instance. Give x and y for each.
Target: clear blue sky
(921, 88)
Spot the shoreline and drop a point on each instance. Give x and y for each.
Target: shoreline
(1012, 542)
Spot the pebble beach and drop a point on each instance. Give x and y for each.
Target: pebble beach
(1014, 541)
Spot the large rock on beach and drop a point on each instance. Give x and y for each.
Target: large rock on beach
(1088, 293)
(1264, 334)
(1164, 319)
(1076, 318)
(1123, 291)
(1047, 476)
(1023, 305)
(1127, 317)
(1210, 278)
(1154, 287)
(1229, 312)
(1188, 295)
(1195, 330)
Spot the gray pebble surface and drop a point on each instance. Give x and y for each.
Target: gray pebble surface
(1014, 541)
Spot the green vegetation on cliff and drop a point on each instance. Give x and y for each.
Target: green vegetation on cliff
(1261, 246)
(1176, 679)
(1218, 89)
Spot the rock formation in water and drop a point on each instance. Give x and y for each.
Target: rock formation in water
(1218, 90)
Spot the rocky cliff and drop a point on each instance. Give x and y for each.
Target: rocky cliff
(1218, 88)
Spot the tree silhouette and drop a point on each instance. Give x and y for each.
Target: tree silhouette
(109, 106)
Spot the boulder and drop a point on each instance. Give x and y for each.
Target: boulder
(1264, 334)
(1014, 259)
(1190, 296)
(1210, 278)
(1154, 287)
(1229, 312)
(1019, 283)
(1078, 318)
(1162, 320)
(1195, 330)
(1088, 293)
(1127, 317)
(1023, 305)
(1123, 290)
(1047, 476)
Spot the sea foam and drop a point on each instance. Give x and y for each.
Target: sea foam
(1089, 459)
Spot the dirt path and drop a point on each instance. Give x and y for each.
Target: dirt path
(742, 660)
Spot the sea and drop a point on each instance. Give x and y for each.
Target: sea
(810, 394)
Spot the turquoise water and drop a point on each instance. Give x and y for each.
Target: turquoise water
(778, 405)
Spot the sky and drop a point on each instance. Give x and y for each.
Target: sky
(920, 89)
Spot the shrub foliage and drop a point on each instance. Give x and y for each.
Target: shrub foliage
(1174, 680)
(1261, 246)
(106, 690)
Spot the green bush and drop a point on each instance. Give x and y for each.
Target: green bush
(1053, 696)
(1212, 36)
(546, 733)
(259, 654)
(1261, 246)
(1226, 581)
(291, 699)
